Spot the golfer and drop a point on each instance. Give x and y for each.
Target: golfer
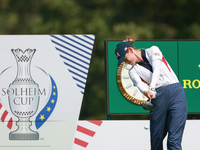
(167, 94)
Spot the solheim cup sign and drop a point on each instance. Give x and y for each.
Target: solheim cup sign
(42, 82)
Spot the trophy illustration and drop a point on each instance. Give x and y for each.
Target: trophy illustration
(23, 96)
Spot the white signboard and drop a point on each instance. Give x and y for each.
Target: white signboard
(128, 135)
(42, 81)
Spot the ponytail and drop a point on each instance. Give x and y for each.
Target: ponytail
(129, 39)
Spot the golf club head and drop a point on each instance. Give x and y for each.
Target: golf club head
(148, 106)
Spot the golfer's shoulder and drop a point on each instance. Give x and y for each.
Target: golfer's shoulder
(132, 70)
(154, 53)
(153, 49)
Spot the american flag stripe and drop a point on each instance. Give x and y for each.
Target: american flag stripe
(80, 142)
(86, 131)
(10, 122)
(5, 117)
(96, 122)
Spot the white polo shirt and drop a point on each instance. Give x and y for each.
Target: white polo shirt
(155, 71)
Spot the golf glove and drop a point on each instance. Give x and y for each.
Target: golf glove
(152, 90)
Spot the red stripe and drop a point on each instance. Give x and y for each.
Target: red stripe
(85, 131)
(4, 116)
(144, 81)
(80, 142)
(96, 122)
(165, 62)
(0, 105)
(10, 122)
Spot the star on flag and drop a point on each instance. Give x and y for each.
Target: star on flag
(42, 117)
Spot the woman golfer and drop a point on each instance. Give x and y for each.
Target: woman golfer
(167, 94)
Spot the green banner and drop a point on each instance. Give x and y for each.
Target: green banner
(182, 57)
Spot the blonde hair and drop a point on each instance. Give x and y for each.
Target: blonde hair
(129, 39)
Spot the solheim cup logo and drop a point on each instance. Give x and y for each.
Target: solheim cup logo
(24, 99)
(23, 96)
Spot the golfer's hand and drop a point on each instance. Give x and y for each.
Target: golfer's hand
(149, 95)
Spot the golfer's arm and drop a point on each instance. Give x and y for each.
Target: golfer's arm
(138, 82)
